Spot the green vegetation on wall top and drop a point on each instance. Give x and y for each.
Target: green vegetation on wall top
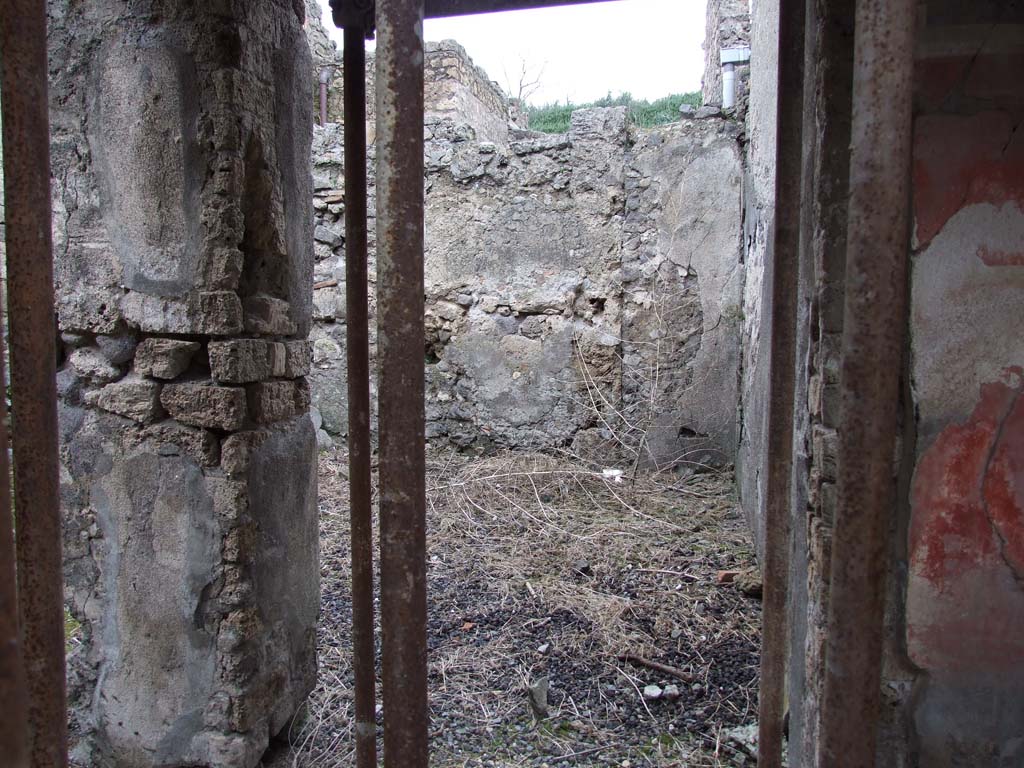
(554, 118)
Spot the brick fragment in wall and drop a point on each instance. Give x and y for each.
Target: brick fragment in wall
(204, 404)
(814, 396)
(278, 359)
(176, 439)
(164, 358)
(265, 315)
(298, 359)
(276, 400)
(825, 447)
(221, 268)
(831, 397)
(220, 313)
(238, 543)
(223, 221)
(236, 450)
(829, 503)
(230, 499)
(243, 361)
(133, 397)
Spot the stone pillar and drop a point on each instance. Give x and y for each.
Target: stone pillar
(181, 139)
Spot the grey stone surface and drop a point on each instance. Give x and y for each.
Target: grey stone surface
(285, 570)
(159, 551)
(117, 349)
(683, 287)
(271, 401)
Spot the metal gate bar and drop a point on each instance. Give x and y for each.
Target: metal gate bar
(33, 373)
(358, 353)
(785, 273)
(400, 334)
(874, 328)
(14, 723)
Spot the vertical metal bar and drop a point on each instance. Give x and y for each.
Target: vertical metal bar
(14, 723)
(828, 78)
(874, 327)
(33, 371)
(785, 274)
(401, 359)
(358, 352)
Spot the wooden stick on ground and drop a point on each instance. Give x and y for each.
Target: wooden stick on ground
(657, 665)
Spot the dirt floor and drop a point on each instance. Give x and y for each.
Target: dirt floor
(545, 573)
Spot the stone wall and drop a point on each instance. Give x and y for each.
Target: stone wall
(183, 262)
(454, 87)
(582, 289)
(759, 212)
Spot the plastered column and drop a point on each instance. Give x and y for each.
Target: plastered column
(181, 137)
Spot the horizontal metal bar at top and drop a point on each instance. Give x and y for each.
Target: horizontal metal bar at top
(440, 8)
(435, 9)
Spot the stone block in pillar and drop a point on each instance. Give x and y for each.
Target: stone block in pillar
(164, 358)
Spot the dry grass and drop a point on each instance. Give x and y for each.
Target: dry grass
(543, 568)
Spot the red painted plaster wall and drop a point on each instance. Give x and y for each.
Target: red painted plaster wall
(965, 582)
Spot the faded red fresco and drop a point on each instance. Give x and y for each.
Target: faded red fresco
(966, 599)
(962, 160)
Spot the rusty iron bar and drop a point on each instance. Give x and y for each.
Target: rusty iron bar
(400, 334)
(358, 353)
(874, 331)
(828, 78)
(14, 723)
(784, 282)
(33, 373)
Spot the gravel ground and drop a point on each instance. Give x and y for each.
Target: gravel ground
(544, 571)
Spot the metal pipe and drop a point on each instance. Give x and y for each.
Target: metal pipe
(33, 373)
(400, 305)
(874, 327)
(728, 85)
(358, 353)
(14, 723)
(784, 283)
(325, 79)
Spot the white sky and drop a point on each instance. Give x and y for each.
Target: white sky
(650, 48)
